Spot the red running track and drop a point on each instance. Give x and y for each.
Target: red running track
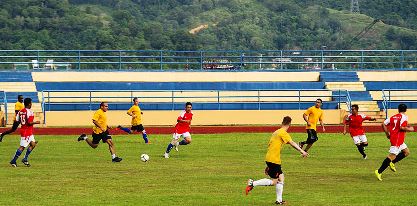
(196, 130)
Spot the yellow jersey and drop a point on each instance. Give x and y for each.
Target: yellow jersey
(278, 139)
(101, 117)
(17, 107)
(136, 111)
(314, 114)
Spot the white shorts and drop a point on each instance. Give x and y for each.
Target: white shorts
(359, 139)
(25, 141)
(177, 136)
(396, 150)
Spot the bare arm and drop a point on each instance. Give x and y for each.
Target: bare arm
(384, 127)
(305, 117)
(99, 126)
(407, 129)
(322, 125)
(181, 120)
(295, 146)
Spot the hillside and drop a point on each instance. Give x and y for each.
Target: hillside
(204, 24)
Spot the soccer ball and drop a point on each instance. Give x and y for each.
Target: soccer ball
(144, 157)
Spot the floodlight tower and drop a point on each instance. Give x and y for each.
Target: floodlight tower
(354, 6)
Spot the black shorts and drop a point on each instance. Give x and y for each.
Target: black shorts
(138, 128)
(104, 136)
(312, 136)
(273, 170)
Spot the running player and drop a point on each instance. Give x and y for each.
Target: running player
(136, 115)
(395, 129)
(311, 116)
(273, 161)
(25, 117)
(17, 107)
(101, 132)
(182, 128)
(356, 130)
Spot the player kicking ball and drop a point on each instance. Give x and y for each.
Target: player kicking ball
(395, 128)
(25, 117)
(273, 161)
(356, 130)
(182, 128)
(136, 115)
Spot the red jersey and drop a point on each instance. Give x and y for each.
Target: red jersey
(183, 127)
(25, 116)
(397, 136)
(355, 124)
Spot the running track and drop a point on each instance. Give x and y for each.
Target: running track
(196, 130)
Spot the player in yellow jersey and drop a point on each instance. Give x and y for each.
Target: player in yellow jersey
(273, 161)
(101, 132)
(17, 107)
(136, 115)
(312, 115)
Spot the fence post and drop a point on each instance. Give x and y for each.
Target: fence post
(299, 100)
(160, 60)
(281, 61)
(79, 60)
(361, 67)
(43, 108)
(402, 59)
(120, 60)
(218, 99)
(259, 100)
(49, 101)
(172, 100)
(201, 60)
(90, 106)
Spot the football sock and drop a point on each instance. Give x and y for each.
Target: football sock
(183, 142)
(125, 129)
(145, 136)
(28, 151)
(384, 165)
(399, 157)
(18, 153)
(113, 156)
(279, 188)
(169, 148)
(262, 182)
(361, 150)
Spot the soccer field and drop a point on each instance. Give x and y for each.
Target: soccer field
(213, 170)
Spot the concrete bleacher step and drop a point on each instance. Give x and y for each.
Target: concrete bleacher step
(18, 87)
(16, 77)
(350, 86)
(339, 77)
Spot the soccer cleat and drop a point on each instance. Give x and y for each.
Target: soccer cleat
(81, 137)
(25, 162)
(365, 157)
(378, 176)
(117, 159)
(281, 203)
(13, 164)
(249, 187)
(392, 167)
(166, 155)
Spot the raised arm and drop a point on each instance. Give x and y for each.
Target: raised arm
(295, 146)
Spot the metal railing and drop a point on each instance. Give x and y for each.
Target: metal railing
(171, 97)
(209, 60)
(390, 96)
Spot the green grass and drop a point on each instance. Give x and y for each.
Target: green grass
(213, 170)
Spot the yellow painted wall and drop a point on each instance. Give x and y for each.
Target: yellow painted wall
(174, 76)
(201, 117)
(388, 76)
(411, 113)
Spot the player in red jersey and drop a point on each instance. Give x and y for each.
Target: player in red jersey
(395, 129)
(25, 117)
(182, 128)
(356, 130)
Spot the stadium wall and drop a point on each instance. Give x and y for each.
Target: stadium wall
(175, 76)
(201, 117)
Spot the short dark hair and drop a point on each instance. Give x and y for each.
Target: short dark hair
(27, 101)
(188, 103)
(321, 101)
(134, 99)
(286, 120)
(355, 106)
(402, 108)
(102, 104)
(19, 96)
